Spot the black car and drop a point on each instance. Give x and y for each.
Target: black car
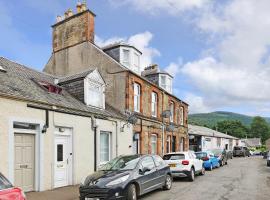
(127, 177)
(221, 155)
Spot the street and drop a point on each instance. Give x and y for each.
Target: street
(242, 179)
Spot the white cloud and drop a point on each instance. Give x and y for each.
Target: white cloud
(157, 6)
(141, 41)
(196, 104)
(174, 68)
(236, 70)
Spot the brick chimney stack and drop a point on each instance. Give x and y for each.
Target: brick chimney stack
(74, 29)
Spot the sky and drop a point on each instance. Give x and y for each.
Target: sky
(218, 51)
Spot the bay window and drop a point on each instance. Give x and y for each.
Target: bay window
(137, 97)
(154, 104)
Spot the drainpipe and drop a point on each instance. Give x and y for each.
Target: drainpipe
(94, 128)
(116, 135)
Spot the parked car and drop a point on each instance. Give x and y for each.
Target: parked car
(208, 158)
(184, 164)
(265, 154)
(268, 159)
(241, 151)
(221, 155)
(127, 177)
(8, 191)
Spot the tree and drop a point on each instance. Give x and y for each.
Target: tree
(259, 128)
(233, 127)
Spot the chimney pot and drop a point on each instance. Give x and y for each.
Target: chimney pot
(83, 6)
(58, 18)
(79, 7)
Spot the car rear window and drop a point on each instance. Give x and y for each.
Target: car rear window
(4, 183)
(200, 155)
(174, 157)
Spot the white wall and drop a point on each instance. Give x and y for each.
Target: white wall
(82, 136)
(209, 143)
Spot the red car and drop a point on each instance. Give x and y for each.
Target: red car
(8, 191)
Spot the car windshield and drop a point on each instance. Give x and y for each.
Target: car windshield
(174, 157)
(121, 163)
(4, 183)
(200, 155)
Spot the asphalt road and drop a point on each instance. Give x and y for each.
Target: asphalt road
(241, 179)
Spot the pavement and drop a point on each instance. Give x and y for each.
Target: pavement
(242, 179)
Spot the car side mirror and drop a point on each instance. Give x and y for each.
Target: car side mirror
(144, 170)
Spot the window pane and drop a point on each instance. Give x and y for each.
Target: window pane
(172, 111)
(60, 153)
(126, 57)
(137, 90)
(4, 183)
(136, 61)
(154, 144)
(154, 104)
(104, 147)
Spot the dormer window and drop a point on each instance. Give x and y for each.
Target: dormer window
(94, 90)
(166, 82)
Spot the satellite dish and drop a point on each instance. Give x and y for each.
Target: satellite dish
(166, 114)
(132, 119)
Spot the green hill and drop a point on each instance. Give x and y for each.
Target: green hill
(210, 119)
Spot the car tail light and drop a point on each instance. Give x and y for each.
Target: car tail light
(185, 162)
(205, 158)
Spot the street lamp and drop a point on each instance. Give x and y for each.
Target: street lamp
(164, 114)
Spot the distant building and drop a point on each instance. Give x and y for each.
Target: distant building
(202, 139)
(251, 142)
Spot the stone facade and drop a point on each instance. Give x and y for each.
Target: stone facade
(148, 125)
(119, 89)
(75, 29)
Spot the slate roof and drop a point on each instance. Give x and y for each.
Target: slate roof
(19, 81)
(75, 76)
(203, 131)
(118, 44)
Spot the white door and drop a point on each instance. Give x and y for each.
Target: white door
(63, 162)
(24, 152)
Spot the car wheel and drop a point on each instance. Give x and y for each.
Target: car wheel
(226, 163)
(132, 193)
(191, 176)
(168, 183)
(268, 163)
(203, 171)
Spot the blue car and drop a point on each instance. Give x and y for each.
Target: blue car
(209, 160)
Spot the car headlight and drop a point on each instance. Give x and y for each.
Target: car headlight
(118, 181)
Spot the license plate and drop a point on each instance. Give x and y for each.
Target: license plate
(172, 165)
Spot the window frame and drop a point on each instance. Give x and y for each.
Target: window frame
(155, 142)
(126, 63)
(181, 116)
(137, 67)
(172, 107)
(109, 146)
(92, 85)
(154, 104)
(168, 141)
(137, 108)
